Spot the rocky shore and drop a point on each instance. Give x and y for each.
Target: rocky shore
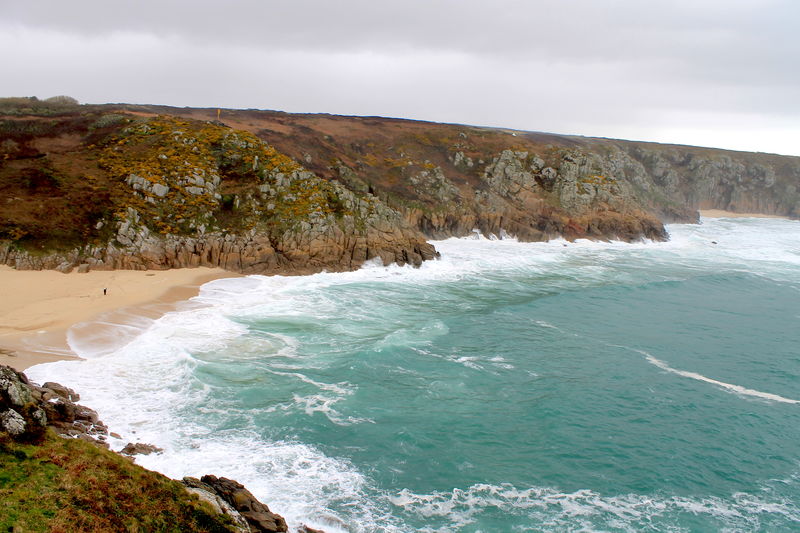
(147, 187)
(31, 414)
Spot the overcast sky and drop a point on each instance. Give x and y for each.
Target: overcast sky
(723, 73)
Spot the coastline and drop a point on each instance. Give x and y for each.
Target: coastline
(40, 306)
(721, 213)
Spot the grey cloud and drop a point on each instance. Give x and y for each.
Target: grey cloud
(571, 66)
(744, 41)
(577, 28)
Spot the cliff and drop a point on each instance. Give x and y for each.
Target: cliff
(122, 186)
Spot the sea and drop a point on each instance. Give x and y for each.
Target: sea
(506, 387)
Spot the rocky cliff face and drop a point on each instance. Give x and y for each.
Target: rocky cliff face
(145, 187)
(519, 194)
(679, 178)
(184, 194)
(450, 179)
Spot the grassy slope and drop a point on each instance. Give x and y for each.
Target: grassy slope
(68, 485)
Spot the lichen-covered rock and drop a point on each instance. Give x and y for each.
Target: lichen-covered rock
(433, 184)
(12, 422)
(208, 494)
(462, 161)
(50, 405)
(140, 448)
(258, 516)
(14, 389)
(21, 414)
(509, 174)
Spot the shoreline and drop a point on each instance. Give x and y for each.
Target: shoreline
(42, 306)
(721, 213)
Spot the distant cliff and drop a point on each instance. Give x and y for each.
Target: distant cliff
(122, 186)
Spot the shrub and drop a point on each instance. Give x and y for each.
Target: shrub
(62, 100)
(110, 119)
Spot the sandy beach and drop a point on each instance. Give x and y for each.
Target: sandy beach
(40, 306)
(720, 213)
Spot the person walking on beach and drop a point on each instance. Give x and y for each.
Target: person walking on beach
(105, 291)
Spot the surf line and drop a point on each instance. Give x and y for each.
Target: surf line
(738, 389)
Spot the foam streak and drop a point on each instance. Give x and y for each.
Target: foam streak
(738, 389)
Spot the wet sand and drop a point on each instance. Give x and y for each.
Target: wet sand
(720, 213)
(39, 307)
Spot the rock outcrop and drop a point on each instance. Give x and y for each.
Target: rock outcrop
(186, 194)
(302, 250)
(673, 179)
(233, 499)
(519, 195)
(139, 448)
(295, 194)
(28, 410)
(535, 185)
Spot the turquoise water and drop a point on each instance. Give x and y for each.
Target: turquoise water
(508, 387)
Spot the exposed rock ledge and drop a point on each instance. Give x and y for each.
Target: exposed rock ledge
(231, 498)
(253, 253)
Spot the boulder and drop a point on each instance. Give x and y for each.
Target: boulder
(62, 391)
(47, 406)
(207, 494)
(258, 516)
(140, 448)
(14, 389)
(21, 413)
(12, 423)
(65, 267)
(160, 190)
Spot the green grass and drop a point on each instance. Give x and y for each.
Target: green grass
(68, 485)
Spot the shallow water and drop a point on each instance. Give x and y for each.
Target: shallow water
(507, 387)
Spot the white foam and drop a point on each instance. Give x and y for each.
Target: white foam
(148, 389)
(296, 480)
(342, 389)
(318, 403)
(414, 336)
(737, 389)
(773, 245)
(582, 263)
(552, 509)
(145, 391)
